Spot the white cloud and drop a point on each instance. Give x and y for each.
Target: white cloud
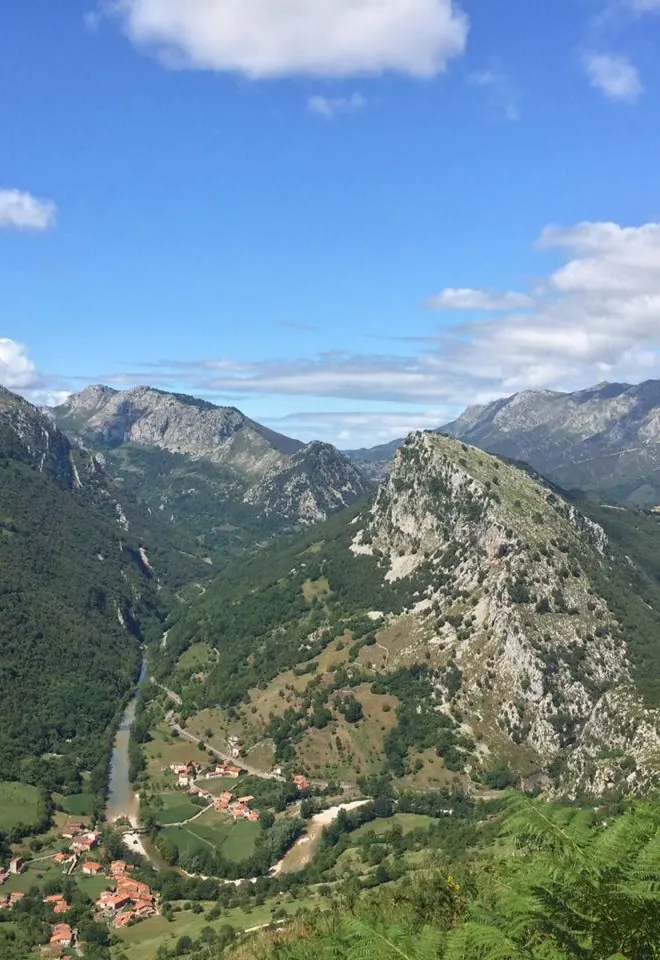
(467, 299)
(595, 317)
(16, 368)
(274, 38)
(361, 428)
(329, 107)
(504, 96)
(22, 211)
(20, 374)
(613, 74)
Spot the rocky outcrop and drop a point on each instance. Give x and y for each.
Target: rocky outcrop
(29, 436)
(504, 577)
(317, 481)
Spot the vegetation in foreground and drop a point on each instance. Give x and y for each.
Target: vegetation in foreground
(559, 883)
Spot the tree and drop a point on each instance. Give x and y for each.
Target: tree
(183, 946)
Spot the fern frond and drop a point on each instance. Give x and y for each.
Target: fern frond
(481, 941)
(646, 864)
(619, 843)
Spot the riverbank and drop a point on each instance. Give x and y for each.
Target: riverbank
(122, 802)
(303, 850)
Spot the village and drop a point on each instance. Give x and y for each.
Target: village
(125, 900)
(189, 776)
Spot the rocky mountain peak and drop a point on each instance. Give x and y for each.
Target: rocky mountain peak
(503, 573)
(173, 422)
(318, 480)
(255, 465)
(90, 398)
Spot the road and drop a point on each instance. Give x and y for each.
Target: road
(221, 755)
(170, 693)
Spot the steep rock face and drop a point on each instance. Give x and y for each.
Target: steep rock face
(506, 601)
(317, 481)
(474, 614)
(224, 471)
(28, 436)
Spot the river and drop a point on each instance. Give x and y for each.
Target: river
(122, 802)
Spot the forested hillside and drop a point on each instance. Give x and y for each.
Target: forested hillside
(80, 589)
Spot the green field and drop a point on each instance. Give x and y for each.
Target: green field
(78, 804)
(18, 804)
(93, 886)
(142, 941)
(176, 808)
(40, 871)
(35, 875)
(196, 656)
(216, 787)
(235, 841)
(407, 822)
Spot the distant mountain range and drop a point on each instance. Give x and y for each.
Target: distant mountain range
(223, 477)
(605, 439)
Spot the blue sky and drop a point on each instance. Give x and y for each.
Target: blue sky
(347, 218)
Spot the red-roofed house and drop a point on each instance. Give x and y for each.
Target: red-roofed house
(85, 843)
(92, 869)
(124, 919)
(57, 903)
(62, 935)
(111, 902)
(72, 829)
(134, 889)
(144, 908)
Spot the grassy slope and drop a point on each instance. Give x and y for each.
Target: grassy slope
(18, 804)
(142, 941)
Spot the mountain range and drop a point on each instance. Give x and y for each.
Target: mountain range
(211, 470)
(605, 439)
(466, 613)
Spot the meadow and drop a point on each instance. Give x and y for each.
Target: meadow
(18, 804)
